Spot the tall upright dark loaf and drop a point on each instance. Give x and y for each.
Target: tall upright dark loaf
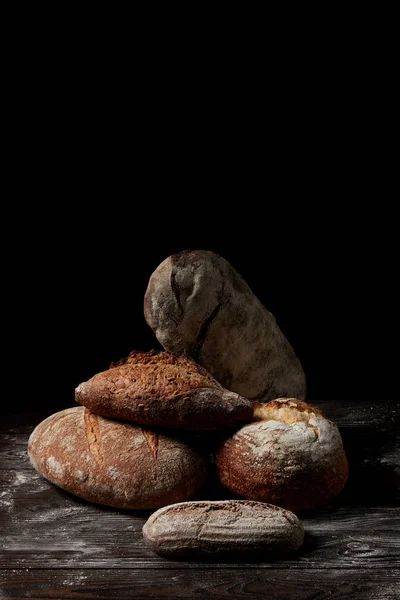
(197, 303)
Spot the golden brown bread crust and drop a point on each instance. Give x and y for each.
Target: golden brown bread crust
(113, 463)
(293, 458)
(282, 410)
(164, 374)
(163, 389)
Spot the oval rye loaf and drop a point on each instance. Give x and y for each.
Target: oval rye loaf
(226, 528)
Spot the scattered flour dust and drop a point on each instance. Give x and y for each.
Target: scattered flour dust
(21, 478)
(6, 501)
(55, 466)
(75, 579)
(30, 478)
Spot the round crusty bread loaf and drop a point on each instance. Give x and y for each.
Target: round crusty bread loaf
(223, 528)
(294, 457)
(114, 463)
(197, 303)
(165, 390)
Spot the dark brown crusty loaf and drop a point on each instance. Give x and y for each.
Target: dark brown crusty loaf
(162, 389)
(216, 529)
(197, 303)
(114, 463)
(293, 457)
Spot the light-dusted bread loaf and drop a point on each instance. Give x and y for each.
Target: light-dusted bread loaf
(114, 463)
(162, 389)
(197, 303)
(217, 529)
(293, 457)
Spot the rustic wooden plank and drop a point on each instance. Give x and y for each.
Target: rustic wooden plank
(43, 524)
(13, 452)
(380, 416)
(333, 584)
(69, 546)
(54, 545)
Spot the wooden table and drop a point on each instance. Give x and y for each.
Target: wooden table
(54, 545)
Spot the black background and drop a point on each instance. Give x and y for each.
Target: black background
(318, 268)
(116, 163)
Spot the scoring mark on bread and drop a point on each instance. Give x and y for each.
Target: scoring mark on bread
(175, 291)
(202, 523)
(152, 441)
(93, 435)
(289, 411)
(315, 430)
(208, 321)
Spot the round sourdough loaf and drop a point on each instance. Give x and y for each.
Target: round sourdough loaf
(237, 528)
(197, 303)
(293, 457)
(114, 463)
(165, 390)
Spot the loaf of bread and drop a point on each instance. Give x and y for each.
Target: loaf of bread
(293, 457)
(197, 303)
(114, 463)
(162, 389)
(217, 529)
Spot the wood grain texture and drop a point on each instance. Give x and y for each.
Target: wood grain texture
(56, 546)
(235, 584)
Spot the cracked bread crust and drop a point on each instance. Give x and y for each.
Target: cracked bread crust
(164, 368)
(293, 457)
(113, 463)
(163, 389)
(197, 303)
(201, 529)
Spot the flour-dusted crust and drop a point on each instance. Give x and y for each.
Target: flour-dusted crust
(197, 303)
(294, 457)
(114, 463)
(163, 389)
(219, 528)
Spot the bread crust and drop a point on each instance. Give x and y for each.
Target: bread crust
(163, 389)
(294, 457)
(197, 303)
(215, 529)
(113, 463)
